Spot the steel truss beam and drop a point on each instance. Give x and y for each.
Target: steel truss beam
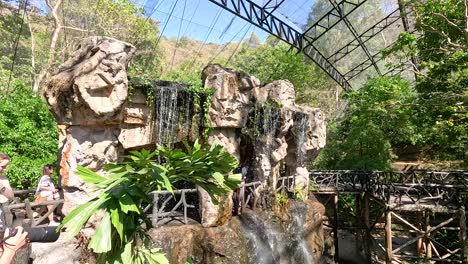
(365, 36)
(355, 34)
(364, 65)
(273, 7)
(331, 18)
(265, 20)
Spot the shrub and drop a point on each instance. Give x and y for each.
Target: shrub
(28, 134)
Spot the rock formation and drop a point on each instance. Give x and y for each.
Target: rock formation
(89, 99)
(253, 237)
(261, 125)
(281, 132)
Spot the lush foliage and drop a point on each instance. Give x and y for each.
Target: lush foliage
(47, 40)
(379, 116)
(442, 74)
(120, 236)
(28, 134)
(272, 61)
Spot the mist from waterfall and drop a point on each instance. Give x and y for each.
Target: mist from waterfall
(270, 243)
(173, 109)
(302, 127)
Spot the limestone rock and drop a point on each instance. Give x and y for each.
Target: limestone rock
(132, 136)
(227, 138)
(231, 99)
(94, 79)
(281, 92)
(214, 214)
(222, 244)
(301, 181)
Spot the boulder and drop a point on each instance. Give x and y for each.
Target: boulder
(231, 99)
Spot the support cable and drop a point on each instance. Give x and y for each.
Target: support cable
(16, 44)
(178, 35)
(355, 34)
(191, 18)
(225, 45)
(167, 21)
(207, 36)
(238, 45)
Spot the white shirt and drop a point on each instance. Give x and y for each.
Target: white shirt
(45, 181)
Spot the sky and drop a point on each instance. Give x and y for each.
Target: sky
(207, 22)
(199, 16)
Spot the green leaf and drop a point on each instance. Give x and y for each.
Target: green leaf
(126, 255)
(80, 215)
(155, 257)
(88, 175)
(117, 219)
(219, 178)
(127, 204)
(101, 240)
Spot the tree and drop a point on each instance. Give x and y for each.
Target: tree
(254, 41)
(28, 134)
(48, 39)
(441, 74)
(274, 61)
(379, 117)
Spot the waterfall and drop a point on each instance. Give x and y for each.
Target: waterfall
(166, 115)
(269, 243)
(263, 239)
(188, 100)
(298, 244)
(302, 127)
(270, 124)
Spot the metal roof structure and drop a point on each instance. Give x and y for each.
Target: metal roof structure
(345, 41)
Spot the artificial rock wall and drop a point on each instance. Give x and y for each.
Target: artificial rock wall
(98, 120)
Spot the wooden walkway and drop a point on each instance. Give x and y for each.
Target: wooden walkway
(395, 216)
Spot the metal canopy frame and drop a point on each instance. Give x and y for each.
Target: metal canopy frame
(264, 18)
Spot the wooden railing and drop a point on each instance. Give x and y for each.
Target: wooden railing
(25, 209)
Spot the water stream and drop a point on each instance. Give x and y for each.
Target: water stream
(271, 243)
(302, 121)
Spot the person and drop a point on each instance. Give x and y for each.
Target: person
(12, 244)
(46, 190)
(6, 192)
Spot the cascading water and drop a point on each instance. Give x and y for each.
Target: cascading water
(270, 243)
(270, 124)
(302, 121)
(298, 244)
(264, 239)
(166, 115)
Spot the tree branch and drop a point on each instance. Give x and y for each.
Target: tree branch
(77, 29)
(448, 21)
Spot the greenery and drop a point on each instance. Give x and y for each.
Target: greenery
(379, 116)
(274, 61)
(441, 75)
(120, 236)
(28, 134)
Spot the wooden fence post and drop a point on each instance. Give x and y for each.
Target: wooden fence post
(335, 225)
(464, 249)
(388, 235)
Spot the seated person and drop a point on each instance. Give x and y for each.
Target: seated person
(46, 189)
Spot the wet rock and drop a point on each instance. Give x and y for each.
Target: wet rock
(222, 244)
